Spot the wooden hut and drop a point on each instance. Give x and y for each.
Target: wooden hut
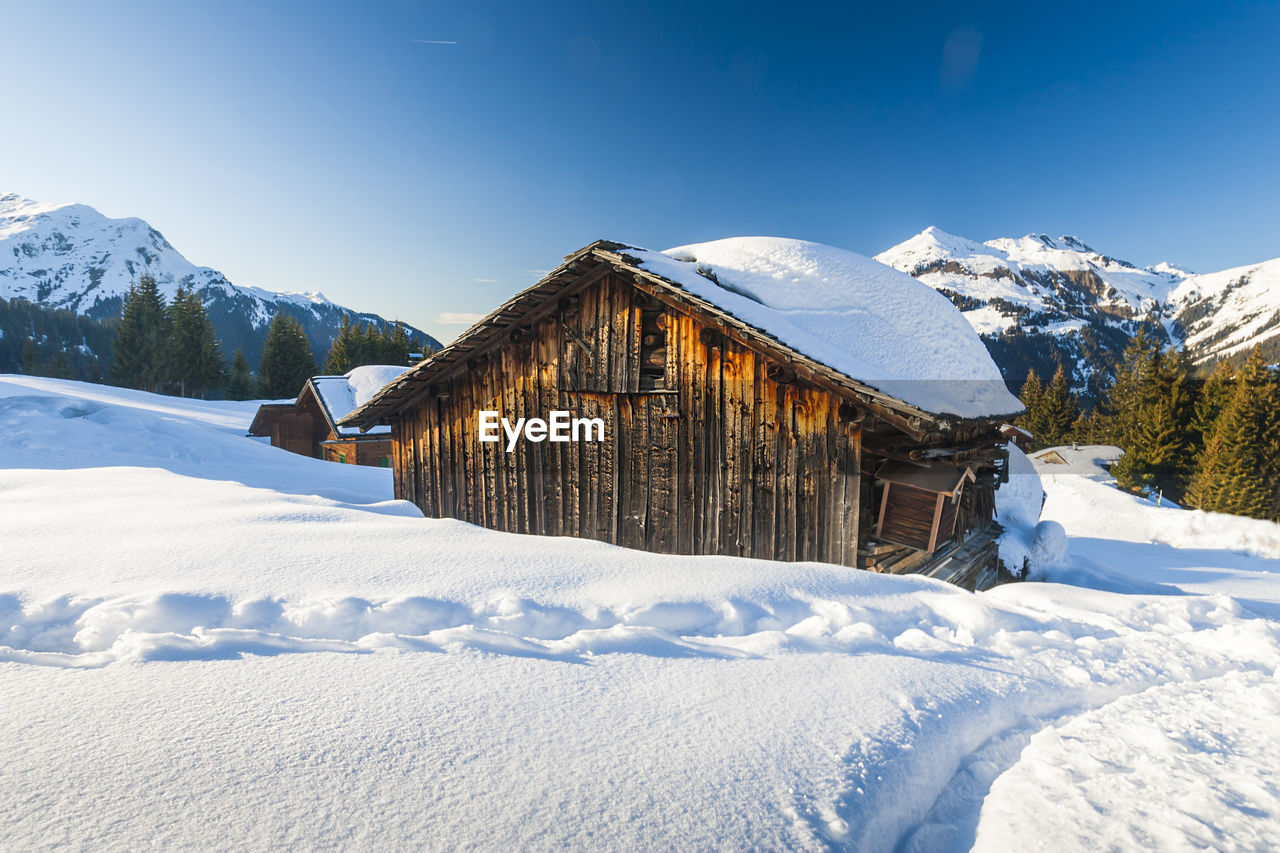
(721, 433)
(1017, 436)
(310, 426)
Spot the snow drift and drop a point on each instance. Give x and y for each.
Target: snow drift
(206, 641)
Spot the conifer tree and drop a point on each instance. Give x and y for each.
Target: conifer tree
(239, 380)
(398, 345)
(1091, 428)
(1058, 410)
(339, 359)
(30, 358)
(1032, 397)
(358, 345)
(287, 361)
(195, 357)
(1214, 395)
(1237, 472)
(60, 366)
(370, 350)
(139, 353)
(1151, 408)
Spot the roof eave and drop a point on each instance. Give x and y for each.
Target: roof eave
(913, 419)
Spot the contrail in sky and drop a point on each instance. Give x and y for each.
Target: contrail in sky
(431, 41)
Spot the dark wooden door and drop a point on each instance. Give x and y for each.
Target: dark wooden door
(647, 494)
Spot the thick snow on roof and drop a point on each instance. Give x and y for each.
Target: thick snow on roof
(868, 321)
(342, 395)
(1090, 461)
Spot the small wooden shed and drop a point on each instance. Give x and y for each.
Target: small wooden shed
(723, 433)
(309, 426)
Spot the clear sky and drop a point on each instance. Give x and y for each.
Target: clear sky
(427, 159)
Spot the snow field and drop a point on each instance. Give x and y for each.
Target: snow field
(205, 641)
(1102, 780)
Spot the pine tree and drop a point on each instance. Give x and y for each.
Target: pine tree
(370, 351)
(1238, 471)
(339, 360)
(1032, 420)
(1214, 395)
(1092, 427)
(239, 380)
(398, 345)
(1150, 408)
(1058, 410)
(195, 357)
(60, 366)
(30, 358)
(139, 355)
(287, 362)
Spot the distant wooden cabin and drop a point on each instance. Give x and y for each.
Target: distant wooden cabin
(1017, 436)
(309, 426)
(719, 438)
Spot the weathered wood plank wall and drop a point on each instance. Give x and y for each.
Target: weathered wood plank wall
(706, 452)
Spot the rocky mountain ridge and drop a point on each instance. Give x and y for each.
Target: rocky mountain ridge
(1038, 301)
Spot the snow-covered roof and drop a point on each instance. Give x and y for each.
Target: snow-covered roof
(341, 395)
(1087, 460)
(857, 322)
(859, 317)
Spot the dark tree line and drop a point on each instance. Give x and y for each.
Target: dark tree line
(356, 346)
(172, 347)
(166, 348)
(1212, 443)
(42, 341)
(287, 359)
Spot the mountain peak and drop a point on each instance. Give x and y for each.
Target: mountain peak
(72, 257)
(929, 245)
(14, 206)
(1065, 243)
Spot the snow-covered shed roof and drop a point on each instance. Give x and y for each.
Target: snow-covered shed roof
(1091, 461)
(341, 395)
(267, 416)
(856, 322)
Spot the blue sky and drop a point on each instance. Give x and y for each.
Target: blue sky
(330, 147)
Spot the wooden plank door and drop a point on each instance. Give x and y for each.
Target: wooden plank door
(647, 494)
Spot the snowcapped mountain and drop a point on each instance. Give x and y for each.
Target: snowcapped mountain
(1036, 300)
(70, 256)
(1223, 314)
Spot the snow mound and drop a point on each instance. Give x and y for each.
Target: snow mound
(858, 317)
(1210, 750)
(1018, 504)
(221, 615)
(1048, 546)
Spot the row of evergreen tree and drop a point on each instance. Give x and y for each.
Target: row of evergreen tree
(165, 348)
(172, 349)
(1209, 442)
(362, 344)
(41, 341)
